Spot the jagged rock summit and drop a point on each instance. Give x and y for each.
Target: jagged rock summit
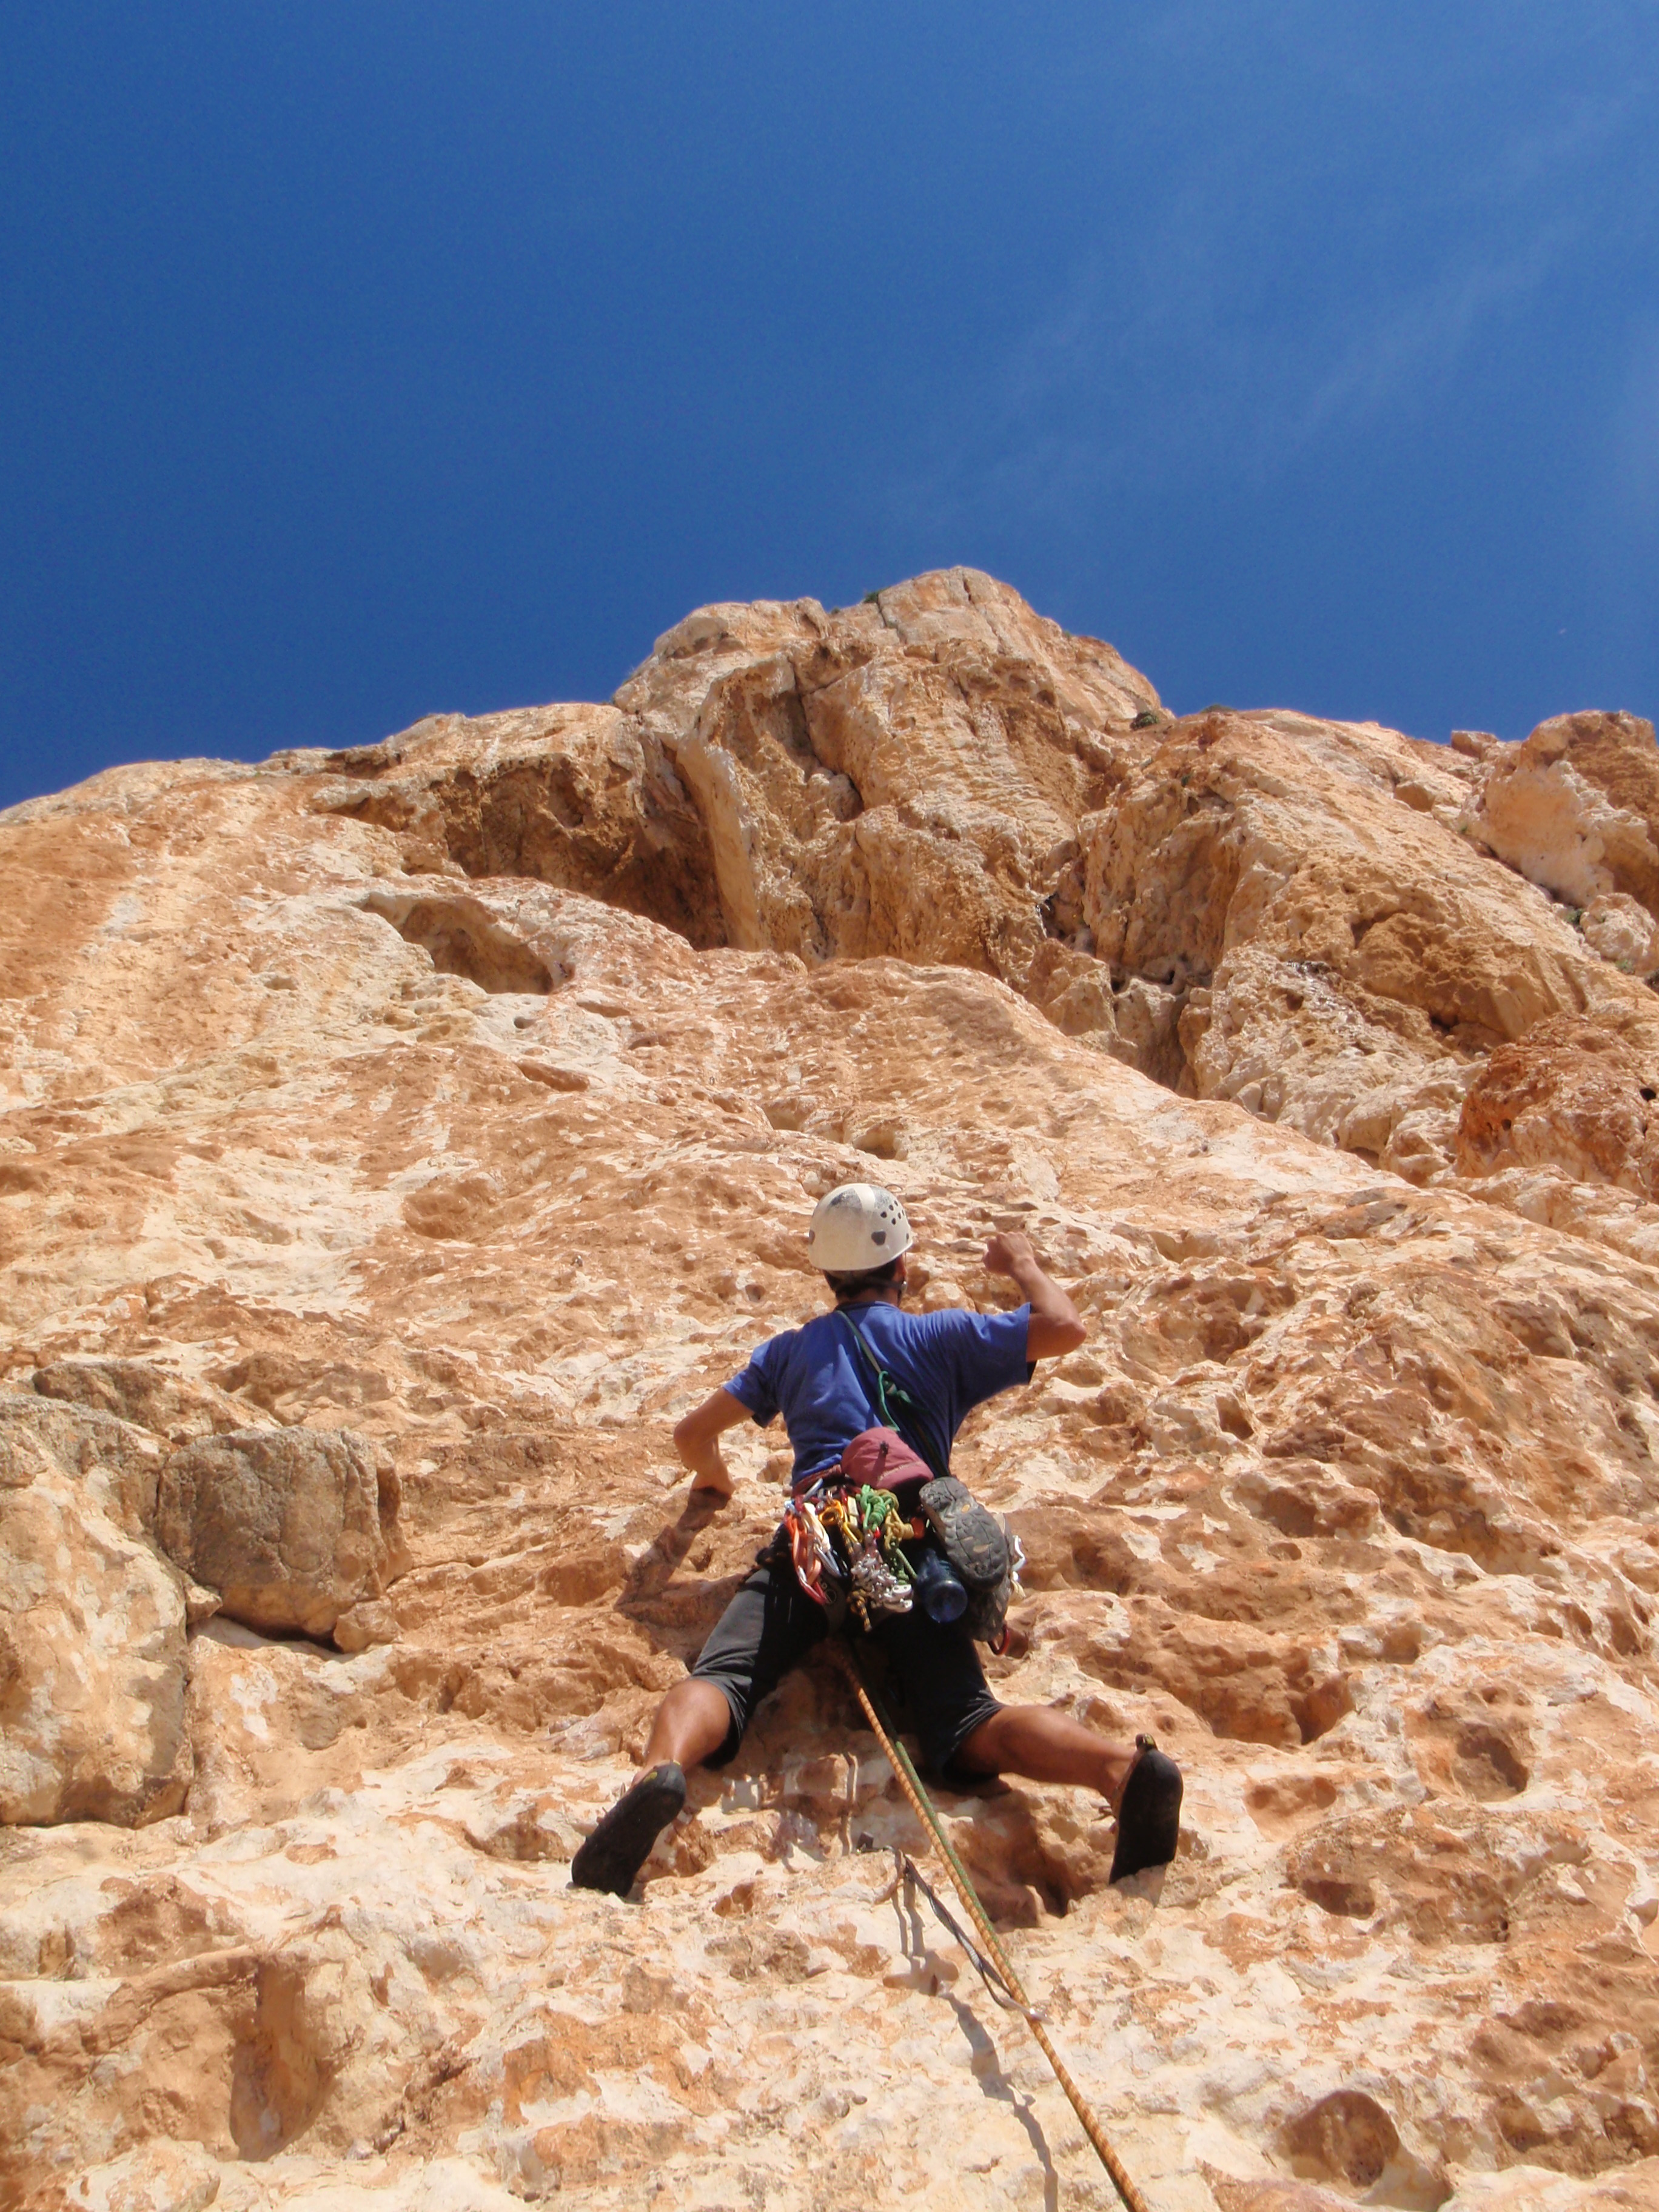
(394, 1142)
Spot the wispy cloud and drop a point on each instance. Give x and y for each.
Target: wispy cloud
(1100, 398)
(1217, 344)
(1393, 353)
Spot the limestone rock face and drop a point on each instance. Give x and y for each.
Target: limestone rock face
(92, 1638)
(394, 1144)
(1332, 952)
(903, 776)
(1576, 808)
(137, 1391)
(1623, 932)
(581, 797)
(293, 1528)
(1574, 1096)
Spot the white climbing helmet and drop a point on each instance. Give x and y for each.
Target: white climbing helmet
(856, 1227)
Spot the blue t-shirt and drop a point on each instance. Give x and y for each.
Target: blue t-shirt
(816, 1378)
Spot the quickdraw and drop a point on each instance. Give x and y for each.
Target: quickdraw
(848, 1544)
(909, 1877)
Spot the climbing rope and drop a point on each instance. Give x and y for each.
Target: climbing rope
(921, 1804)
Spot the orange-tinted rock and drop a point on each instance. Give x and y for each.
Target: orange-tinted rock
(1576, 808)
(92, 1635)
(1334, 950)
(1571, 1097)
(471, 1095)
(292, 1528)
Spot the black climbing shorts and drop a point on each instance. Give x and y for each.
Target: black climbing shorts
(771, 1624)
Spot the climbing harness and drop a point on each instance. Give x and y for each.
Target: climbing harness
(910, 1781)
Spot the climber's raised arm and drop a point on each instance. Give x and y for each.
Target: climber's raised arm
(1055, 1326)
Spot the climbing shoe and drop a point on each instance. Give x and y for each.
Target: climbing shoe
(972, 1540)
(613, 1855)
(979, 1553)
(1149, 1818)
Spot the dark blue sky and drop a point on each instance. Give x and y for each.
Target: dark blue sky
(358, 361)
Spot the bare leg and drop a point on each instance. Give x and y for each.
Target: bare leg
(692, 1721)
(1045, 1746)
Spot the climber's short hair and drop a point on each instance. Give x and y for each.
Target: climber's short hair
(870, 1278)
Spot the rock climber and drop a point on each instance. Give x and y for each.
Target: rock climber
(818, 1377)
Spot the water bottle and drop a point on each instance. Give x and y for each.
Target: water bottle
(939, 1588)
